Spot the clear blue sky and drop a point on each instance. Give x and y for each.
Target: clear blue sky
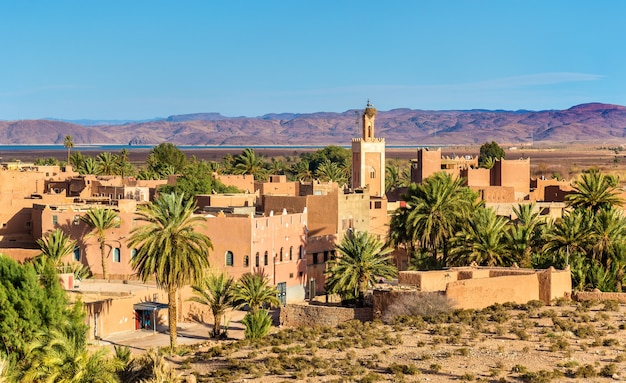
(143, 59)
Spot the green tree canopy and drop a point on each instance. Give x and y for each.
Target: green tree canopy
(490, 150)
(30, 304)
(254, 290)
(216, 292)
(165, 159)
(361, 262)
(197, 178)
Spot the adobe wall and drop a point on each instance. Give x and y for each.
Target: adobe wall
(245, 183)
(435, 280)
(480, 293)
(379, 219)
(428, 163)
(296, 315)
(353, 211)
(383, 299)
(225, 200)
(476, 177)
(514, 173)
(480, 287)
(549, 190)
(277, 188)
(496, 194)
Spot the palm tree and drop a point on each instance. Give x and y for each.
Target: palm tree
(436, 208)
(101, 220)
(89, 166)
(361, 262)
(608, 235)
(481, 241)
(56, 246)
(170, 248)
(108, 163)
(595, 191)
(302, 170)
(249, 163)
(254, 290)
(64, 358)
(215, 291)
(330, 171)
(568, 236)
(524, 234)
(68, 142)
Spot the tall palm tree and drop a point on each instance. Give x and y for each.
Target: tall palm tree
(436, 208)
(170, 248)
(56, 246)
(524, 235)
(595, 191)
(481, 240)
(361, 262)
(101, 220)
(608, 235)
(255, 291)
(68, 142)
(64, 358)
(249, 163)
(568, 236)
(215, 291)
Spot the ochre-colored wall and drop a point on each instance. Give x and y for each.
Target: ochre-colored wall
(245, 183)
(479, 293)
(514, 173)
(476, 177)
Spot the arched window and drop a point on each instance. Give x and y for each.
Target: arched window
(301, 252)
(257, 264)
(372, 173)
(265, 259)
(77, 254)
(230, 261)
(117, 256)
(246, 261)
(291, 253)
(281, 255)
(133, 253)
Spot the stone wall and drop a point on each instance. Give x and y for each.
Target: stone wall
(294, 315)
(599, 296)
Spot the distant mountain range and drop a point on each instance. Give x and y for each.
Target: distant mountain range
(588, 123)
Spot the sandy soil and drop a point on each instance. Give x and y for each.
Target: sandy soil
(523, 343)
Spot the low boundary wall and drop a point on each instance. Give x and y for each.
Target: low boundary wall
(295, 315)
(598, 296)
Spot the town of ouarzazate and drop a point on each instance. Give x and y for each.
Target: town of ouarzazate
(338, 192)
(220, 263)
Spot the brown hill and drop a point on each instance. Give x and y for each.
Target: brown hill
(588, 123)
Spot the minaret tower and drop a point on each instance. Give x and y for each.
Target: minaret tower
(368, 156)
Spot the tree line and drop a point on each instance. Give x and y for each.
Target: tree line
(445, 224)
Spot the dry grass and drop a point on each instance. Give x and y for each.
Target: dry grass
(507, 343)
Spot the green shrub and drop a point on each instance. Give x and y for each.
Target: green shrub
(258, 324)
(608, 370)
(586, 371)
(610, 305)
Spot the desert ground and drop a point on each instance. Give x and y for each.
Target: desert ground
(568, 341)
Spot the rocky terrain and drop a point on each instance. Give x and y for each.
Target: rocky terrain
(583, 124)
